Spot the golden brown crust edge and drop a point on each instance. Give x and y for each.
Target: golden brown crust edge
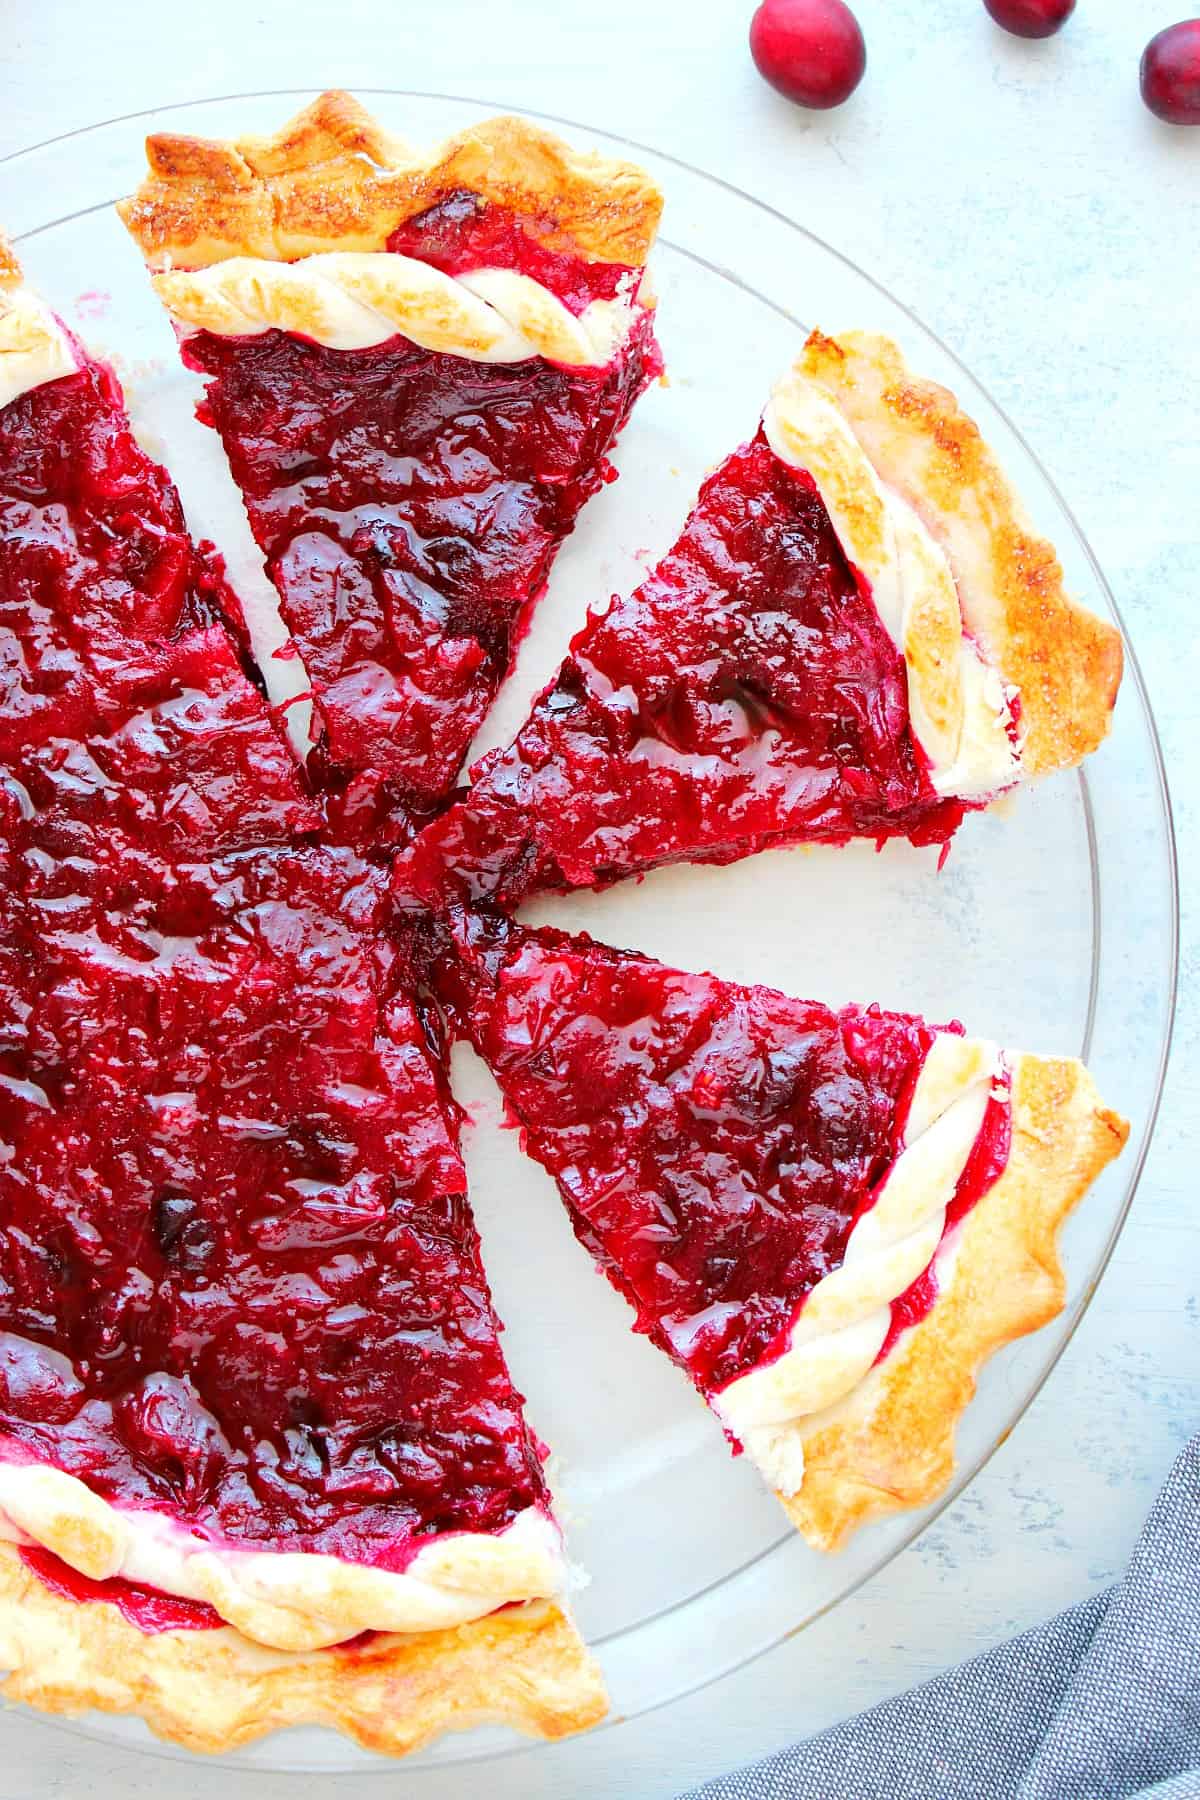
(890, 1445)
(10, 268)
(1066, 662)
(334, 179)
(525, 1666)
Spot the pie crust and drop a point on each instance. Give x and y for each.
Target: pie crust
(334, 179)
(890, 1444)
(525, 1667)
(1063, 660)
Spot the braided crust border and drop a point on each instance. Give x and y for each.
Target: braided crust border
(1064, 660)
(526, 1667)
(334, 179)
(890, 1444)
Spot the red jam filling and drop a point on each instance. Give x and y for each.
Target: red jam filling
(464, 232)
(746, 695)
(714, 1143)
(128, 726)
(239, 1281)
(409, 505)
(144, 1607)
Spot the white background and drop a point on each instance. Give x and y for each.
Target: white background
(1020, 199)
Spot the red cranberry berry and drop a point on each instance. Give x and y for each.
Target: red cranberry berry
(1031, 18)
(811, 51)
(1171, 73)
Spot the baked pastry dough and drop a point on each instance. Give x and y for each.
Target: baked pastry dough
(1063, 661)
(889, 1444)
(214, 1690)
(334, 179)
(287, 232)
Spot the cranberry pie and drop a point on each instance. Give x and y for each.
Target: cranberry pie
(856, 635)
(261, 1460)
(417, 364)
(828, 1220)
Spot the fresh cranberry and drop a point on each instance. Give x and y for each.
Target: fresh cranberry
(1031, 18)
(1170, 74)
(811, 51)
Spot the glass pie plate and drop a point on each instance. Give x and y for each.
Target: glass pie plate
(1051, 927)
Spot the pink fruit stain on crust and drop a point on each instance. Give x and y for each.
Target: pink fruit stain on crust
(810, 51)
(1031, 18)
(1170, 74)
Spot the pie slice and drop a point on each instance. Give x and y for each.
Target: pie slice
(856, 635)
(417, 363)
(261, 1460)
(828, 1220)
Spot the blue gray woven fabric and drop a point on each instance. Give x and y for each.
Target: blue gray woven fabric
(1101, 1703)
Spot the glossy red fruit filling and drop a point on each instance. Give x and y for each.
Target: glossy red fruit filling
(746, 695)
(464, 232)
(1170, 73)
(239, 1280)
(151, 1611)
(410, 505)
(811, 51)
(1031, 18)
(714, 1143)
(130, 733)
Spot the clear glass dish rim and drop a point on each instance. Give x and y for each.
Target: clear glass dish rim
(963, 1479)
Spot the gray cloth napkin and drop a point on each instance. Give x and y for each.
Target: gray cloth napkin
(1101, 1703)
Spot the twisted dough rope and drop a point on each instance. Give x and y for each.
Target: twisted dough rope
(289, 1600)
(351, 300)
(960, 707)
(841, 1327)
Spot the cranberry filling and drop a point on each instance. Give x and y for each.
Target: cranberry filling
(127, 722)
(746, 695)
(409, 505)
(714, 1143)
(146, 1608)
(239, 1281)
(464, 232)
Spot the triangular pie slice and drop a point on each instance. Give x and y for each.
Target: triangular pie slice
(261, 1460)
(856, 635)
(828, 1220)
(417, 363)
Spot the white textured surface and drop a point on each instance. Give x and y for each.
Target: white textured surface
(1024, 204)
